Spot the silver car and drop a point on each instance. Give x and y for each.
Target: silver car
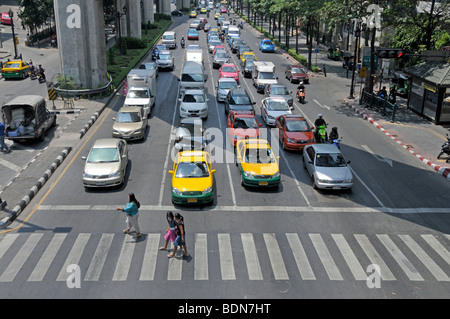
(224, 85)
(165, 60)
(194, 103)
(189, 135)
(106, 163)
(220, 58)
(212, 44)
(279, 90)
(272, 107)
(149, 66)
(327, 167)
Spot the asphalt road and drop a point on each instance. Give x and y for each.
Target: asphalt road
(294, 242)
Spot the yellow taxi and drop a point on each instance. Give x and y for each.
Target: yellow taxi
(216, 16)
(203, 10)
(193, 14)
(192, 178)
(248, 55)
(15, 69)
(257, 163)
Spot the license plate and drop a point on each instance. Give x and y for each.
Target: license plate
(100, 183)
(263, 183)
(336, 187)
(126, 137)
(192, 200)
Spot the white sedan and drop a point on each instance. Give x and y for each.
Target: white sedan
(272, 107)
(194, 103)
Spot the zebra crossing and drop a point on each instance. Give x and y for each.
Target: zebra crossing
(114, 257)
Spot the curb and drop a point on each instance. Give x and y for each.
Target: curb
(93, 119)
(443, 171)
(35, 189)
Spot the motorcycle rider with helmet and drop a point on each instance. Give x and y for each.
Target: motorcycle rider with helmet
(320, 122)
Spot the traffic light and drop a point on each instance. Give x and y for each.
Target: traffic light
(390, 53)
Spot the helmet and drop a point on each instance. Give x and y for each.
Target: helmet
(334, 129)
(319, 115)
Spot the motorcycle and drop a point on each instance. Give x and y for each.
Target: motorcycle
(241, 25)
(183, 43)
(445, 150)
(41, 77)
(32, 75)
(301, 96)
(321, 134)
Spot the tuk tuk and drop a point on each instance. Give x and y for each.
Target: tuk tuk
(334, 52)
(402, 84)
(347, 60)
(26, 118)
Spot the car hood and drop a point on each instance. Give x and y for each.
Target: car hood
(261, 169)
(136, 101)
(101, 168)
(333, 173)
(193, 106)
(302, 136)
(126, 127)
(221, 59)
(192, 184)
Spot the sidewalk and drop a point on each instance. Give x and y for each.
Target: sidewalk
(421, 138)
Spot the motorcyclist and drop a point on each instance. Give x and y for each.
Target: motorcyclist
(300, 87)
(41, 72)
(319, 122)
(234, 22)
(183, 42)
(334, 135)
(241, 25)
(383, 92)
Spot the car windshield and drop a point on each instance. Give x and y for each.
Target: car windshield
(192, 31)
(128, 117)
(164, 56)
(194, 98)
(297, 126)
(240, 100)
(277, 105)
(248, 63)
(228, 85)
(195, 77)
(266, 75)
(267, 43)
(161, 47)
(149, 66)
(244, 48)
(330, 160)
(249, 57)
(192, 170)
(221, 54)
(259, 156)
(298, 70)
(138, 94)
(229, 69)
(245, 122)
(168, 37)
(214, 42)
(279, 90)
(12, 65)
(103, 155)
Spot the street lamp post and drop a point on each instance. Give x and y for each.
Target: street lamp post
(357, 34)
(11, 14)
(120, 15)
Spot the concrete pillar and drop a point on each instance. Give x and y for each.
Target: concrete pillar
(165, 6)
(134, 28)
(186, 3)
(149, 13)
(80, 29)
(123, 20)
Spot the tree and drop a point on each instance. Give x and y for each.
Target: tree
(34, 13)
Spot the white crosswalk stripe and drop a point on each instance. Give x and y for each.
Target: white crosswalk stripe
(109, 257)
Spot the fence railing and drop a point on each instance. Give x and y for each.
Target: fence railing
(382, 105)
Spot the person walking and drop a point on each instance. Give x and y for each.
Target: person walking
(180, 240)
(171, 233)
(3, 146)
(132, 212)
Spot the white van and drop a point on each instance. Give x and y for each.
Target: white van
(195, 56)
(192, 77)
(263, 74)
(169, 38)
(141, 89)
(233, 31)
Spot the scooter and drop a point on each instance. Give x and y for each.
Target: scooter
(41, 78)
(445, 150)
(183, 43)
(336, 142)
(32, 75)
(321, 134)
(301, 96)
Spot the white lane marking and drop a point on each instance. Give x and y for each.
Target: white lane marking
(322, 105)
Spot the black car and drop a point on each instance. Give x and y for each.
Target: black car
(242, 49)
(235, 43)
(238, 100)
(176, 13)
(247, 69)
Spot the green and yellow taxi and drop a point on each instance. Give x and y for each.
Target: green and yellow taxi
(203, 10)
(192, 178)
(258, 165)
(15, 69)
(216, 15)
(193, 14)
(248, 55)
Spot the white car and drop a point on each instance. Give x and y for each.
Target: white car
(327, 167)
(194, 103)
(272, 107)
(224, 85)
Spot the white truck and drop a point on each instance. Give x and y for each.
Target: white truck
(195, 56)
(263, 74)
(141, 89)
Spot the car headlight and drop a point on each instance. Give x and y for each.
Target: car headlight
(207, 190)
(348, 181)
(248, 174)
(277, 174)
(116, 131)
(271, 117)
(115, 174)
(176, 191)
(325, 181)
(87, 175)
(290, 140)
(183, 109)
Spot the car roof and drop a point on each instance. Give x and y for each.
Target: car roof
(325, 148)
(254, 143)
(275, 98)
(106, 143)
(298, 66)
(194, 91)
(277, 85)
(239, 91)
(228, 64)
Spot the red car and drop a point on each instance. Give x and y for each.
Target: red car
(229, 71)
(294, 132)
(242, 125)
(223, 10)
(297, 73)
(5, 18)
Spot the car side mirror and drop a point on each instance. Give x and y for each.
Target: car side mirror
(253, 103)
(113, 119)
(260, 125)
(348, 162)
(170, 172)
(83, 158)
(213, 171)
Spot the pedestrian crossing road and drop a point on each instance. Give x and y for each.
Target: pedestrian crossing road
(231, 257)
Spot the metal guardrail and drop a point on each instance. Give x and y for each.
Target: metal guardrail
(382, 105)
(66, 92)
